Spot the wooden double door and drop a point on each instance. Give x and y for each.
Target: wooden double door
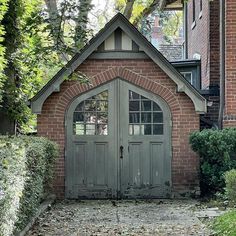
(118, 144)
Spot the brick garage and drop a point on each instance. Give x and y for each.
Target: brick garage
(144, 73)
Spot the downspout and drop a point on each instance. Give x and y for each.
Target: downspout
(185, 30)
(222, 64)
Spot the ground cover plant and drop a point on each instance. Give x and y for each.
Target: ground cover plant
(225, 225)
(26, 172)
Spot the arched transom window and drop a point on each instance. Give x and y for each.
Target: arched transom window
(145, 116)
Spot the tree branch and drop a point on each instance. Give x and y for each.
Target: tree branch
(128, 8)
(146, 11)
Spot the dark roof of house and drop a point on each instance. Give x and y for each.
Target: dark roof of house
(171, 52)
(118, 21)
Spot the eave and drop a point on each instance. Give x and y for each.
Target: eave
(171, 4)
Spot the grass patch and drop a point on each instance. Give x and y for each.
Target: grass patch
(225, 225)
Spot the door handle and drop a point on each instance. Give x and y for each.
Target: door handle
(121, 151)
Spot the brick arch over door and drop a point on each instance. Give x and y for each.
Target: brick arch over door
(184, 120)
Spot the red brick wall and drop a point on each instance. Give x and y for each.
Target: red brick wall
(230, 89)
(214, 43)
(145, 74)
(203, 39)
(198, 37)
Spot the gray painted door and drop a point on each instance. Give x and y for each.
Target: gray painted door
(118, 144)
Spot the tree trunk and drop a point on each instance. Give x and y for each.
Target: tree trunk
(129, 8)
(146, 11)
(81, 23)
(56, 30)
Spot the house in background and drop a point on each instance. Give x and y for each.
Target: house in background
(209, 33)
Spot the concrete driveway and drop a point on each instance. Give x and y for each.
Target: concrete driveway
(154, 217)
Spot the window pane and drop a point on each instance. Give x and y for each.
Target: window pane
(90, 105)
(188, 77)
(146, 129)
(102, 117)
(133, 95)
(156, 107)
(158, 117)
(102, 105)
(134, 129)
(146, 105)
(134, 106)
(90, 129)
(158, 129)
(102, 96)
(80, 107)
(102, 129)
(134, 118)
(78, 128)
(146, 117)
(90, 117)
(144, 98)
(78, 116)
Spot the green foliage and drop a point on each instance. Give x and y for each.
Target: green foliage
(225, 225)
(171, 24)
(26, 165)
(3, 10)
(216, 149)
(23, 66)
(37, 44)
(12, 179)
(230, 181)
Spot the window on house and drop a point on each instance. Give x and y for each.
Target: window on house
(200, 14)
(194, 14)
(188, 76)
(194, 10)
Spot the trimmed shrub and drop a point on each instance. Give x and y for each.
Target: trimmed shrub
(12, 179)
(30, 174)
(216, 149)
(230, 181)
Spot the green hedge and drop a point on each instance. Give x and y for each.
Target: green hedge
(26, 170)
(217, 149)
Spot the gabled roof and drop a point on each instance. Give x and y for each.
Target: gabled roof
(118, 21)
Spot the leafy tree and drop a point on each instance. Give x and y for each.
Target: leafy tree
(3, 10)
(40, 36)
(22, 70)
(137, 10)
(67, 25)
